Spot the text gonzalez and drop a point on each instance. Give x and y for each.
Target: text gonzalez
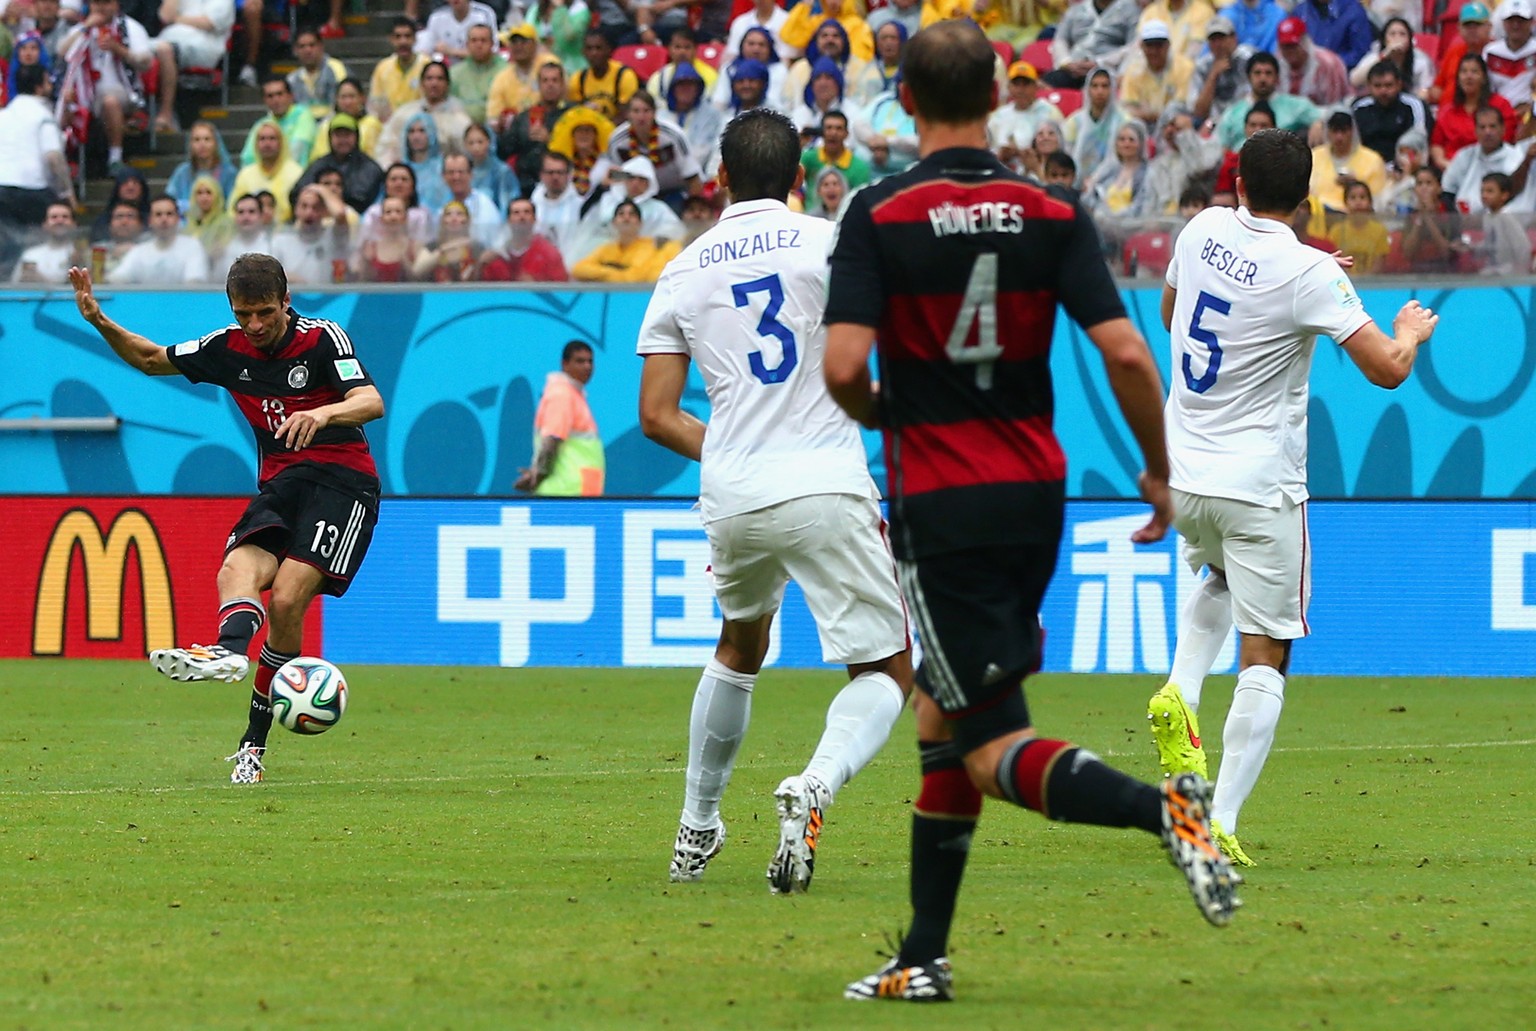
(747, 246)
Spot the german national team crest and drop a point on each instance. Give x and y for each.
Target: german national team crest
(298, 376)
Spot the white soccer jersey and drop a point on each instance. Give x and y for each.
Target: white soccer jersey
(745, 302)
(1251, 301)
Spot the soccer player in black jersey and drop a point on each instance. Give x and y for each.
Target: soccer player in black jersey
(957, 266)
(306, 395)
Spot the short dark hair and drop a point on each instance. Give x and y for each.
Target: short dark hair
(948, 69)
(276, 79)
(1261, 58)
(1357, 184)
(1381, 68)
(1340, 121)
(1276, 167)
(307, 32)
(130, 206)
(1060, 161)
(256, 277)
(247, 197)
(644, 96)
(600, 33)
(835, 113)
(402, 22)
(1195, 193)
(28, 78)
(435, 64)
(1485, 109)
(631, 205)
(683, 32)
(1261, 108)
(1502, 181)
(166, 198)
(572, 349)
(561, 158)
(760, 151)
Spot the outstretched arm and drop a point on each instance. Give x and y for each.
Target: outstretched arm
(1387, 360)
(140, 352)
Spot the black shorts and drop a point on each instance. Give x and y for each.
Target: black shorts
(978, 614)
(311, 522)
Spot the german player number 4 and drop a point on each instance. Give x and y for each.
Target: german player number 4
(978, 308)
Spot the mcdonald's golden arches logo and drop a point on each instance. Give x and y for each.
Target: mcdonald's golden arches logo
(105, 559)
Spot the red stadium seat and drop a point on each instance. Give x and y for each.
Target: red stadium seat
(1038, 54)
(643, 59)
(1427, 43)
(1066, 100)
(711, 53)
(1004, 50)
(1148, 253)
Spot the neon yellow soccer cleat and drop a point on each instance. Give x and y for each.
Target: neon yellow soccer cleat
(1229, 846)
(1176, 732)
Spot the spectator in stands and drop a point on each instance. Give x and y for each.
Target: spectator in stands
(487, 174)
(446, 36)
(484, 216)
(1311, 71)
(454, 256)
(562, 28)
(682, 51)
(273, 169)
(1061, 171)
(399, 182)
(48, 262)
(616, 20)
(889, 133)
(834, 152)
(424, 156)
(208, 219)
(268, 203)
(1411, 155)
(1292, 113)
(1220, 76)
(1224, 188)
(251, 12)
(1431, 233)
(47, 23)
(205, 156)
(1414, 68)
(1070, 64)
(831, 43)
(701, 123)
(757, 46)
(129, 187)
(1181, 157)
(167, 258)
(125, 227)
(1340, 26)
(33, 172)
(557, 206)
(633, 181)
(749, 86)
(316, 247)
(193, 34)
(824, 194)
(662, 142)
(106, 54)
(583, 135)
(1012, 127)
(1257, 22)
(295, 121)
(337, 209)
(515, 85)
(1475, 32)
(315, 81)
(1507, 248)
(471, 79)
(1388, 112)
(447, 113)
(1341, 161)
(1112, 34)
(1463, 178)
(604, 85)
(1512, 60)
(1114, 189)
(389, 254)
(524, 139)
(1187, 22)
(806, 18)
(1360, 234)
(1047, 141)
(251, 237)
(28, 49)
(397, 79)
(360, 174)
(657, 20)
(523, 255)
(1195, 199)
(824, 93)
(1157, 78)
(1089, 132)
(628, 258)
(879, 74)
(769, 17)
(352, 101)
(1455, 121)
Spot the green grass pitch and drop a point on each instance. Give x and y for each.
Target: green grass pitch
(478, 848)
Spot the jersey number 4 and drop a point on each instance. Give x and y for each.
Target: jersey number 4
(769, 326)
(1200, 384)
(978, 309)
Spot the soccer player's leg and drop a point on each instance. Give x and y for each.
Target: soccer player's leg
(749, 585)
(837, 553)
(1270, 573)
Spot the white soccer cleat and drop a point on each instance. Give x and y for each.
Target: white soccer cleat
(1187, 836)
(801, 802)
(693, 850)
(248, 768)
(201, 662)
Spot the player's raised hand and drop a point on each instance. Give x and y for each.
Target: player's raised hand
(1344, 261)
(298, 430)
(1154, 491)
(1416, 319)
(85, 300)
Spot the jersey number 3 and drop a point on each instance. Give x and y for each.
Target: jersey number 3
(769, 326)
(1200, 384)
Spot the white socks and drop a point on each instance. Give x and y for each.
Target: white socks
(722, 706)
(1206, 624)
(1245, 743)
(859, 721)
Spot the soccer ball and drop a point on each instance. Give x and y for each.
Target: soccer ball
(309, 695)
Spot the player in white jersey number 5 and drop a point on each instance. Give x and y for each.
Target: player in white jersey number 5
(784, 491)
(1244, 302)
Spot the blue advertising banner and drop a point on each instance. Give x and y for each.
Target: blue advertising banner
(1407, 588)
(461, 371)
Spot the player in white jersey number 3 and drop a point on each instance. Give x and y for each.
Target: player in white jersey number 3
(784, 491)
(1244, 302)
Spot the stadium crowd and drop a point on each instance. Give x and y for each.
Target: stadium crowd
(578, 139)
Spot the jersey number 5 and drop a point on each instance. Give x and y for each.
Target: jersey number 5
(769, 326)
(977, 308)
(1200, 384)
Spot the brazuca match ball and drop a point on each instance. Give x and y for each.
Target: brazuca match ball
(309, 695)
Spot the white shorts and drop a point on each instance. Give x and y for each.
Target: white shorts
(834, 547)
(1266, 554)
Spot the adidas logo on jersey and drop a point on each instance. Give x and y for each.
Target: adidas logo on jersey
(245, 375)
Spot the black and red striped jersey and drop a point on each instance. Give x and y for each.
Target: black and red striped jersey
(313, 365)
(959, 265)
